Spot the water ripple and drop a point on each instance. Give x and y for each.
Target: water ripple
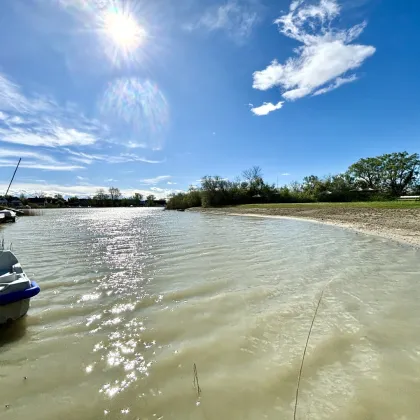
(132, 298)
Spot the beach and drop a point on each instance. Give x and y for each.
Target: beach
(402, 225)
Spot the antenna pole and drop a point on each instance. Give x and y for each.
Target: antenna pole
(13, 177)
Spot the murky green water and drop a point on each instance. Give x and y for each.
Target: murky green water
(132, 298)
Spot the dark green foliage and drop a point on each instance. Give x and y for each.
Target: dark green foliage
(379, 178)
(392, 173)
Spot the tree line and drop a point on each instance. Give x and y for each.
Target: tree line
(383, 177)
(102, 198)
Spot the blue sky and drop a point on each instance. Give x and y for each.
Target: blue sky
(151, 96)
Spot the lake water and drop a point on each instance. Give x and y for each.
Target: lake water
(133, 298)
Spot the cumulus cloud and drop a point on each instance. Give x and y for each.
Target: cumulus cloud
(236, 18)
(266, 108)
(323, 60)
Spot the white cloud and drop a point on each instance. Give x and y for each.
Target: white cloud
(235, 17)
(10, 97)
(337, 83)
(325, 56)
(37, 165)
(171, 183)
(82, 178)
(156, 180)
(285, 174)
(266, 108)
(17, 153)
(39, 121)
(33, 160)
(118, 158)
(50, 135)
(16, 120)
(129, 157)
(136, 145)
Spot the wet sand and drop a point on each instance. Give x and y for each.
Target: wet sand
(402, 225)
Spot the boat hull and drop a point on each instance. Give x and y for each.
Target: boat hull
(13, 311)
(16, 304)
(19, 295)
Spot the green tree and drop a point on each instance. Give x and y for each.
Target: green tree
(399, 171)
(23, 198)
(59, 200)
(150, 200)
(73, 200)
(100, 197)
(392, 173)
(137, 197)
(367, 172)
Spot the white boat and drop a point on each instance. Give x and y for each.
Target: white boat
(8, 216)
(16, 289)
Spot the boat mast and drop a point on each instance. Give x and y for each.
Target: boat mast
(13, 177)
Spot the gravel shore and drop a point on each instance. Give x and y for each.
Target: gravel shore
(402, 225)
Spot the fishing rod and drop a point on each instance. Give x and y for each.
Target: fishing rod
(13, 177)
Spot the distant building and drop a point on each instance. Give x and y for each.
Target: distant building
(16, 203)
(39, 201)
(160, 202)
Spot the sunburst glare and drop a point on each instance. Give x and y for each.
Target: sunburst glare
(123, 30)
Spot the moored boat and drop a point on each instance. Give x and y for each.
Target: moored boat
(16, 289)
(7, 216)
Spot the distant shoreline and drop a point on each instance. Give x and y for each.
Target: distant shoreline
(401, 225)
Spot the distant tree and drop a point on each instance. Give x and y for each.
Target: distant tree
(114, 193)
(23, 198)
(100, 197)
(59, 197)
(252, 174)
(73, 200)
(151, 200)
(137, 197)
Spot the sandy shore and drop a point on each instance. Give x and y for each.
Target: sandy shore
(402, 225)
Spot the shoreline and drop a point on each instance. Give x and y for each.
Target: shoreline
(400, 226)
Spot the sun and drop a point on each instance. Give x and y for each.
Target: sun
(123, 30)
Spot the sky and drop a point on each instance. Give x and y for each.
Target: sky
(150, 97)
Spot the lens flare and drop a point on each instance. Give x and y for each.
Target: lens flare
(122, 29)
(136, 107)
